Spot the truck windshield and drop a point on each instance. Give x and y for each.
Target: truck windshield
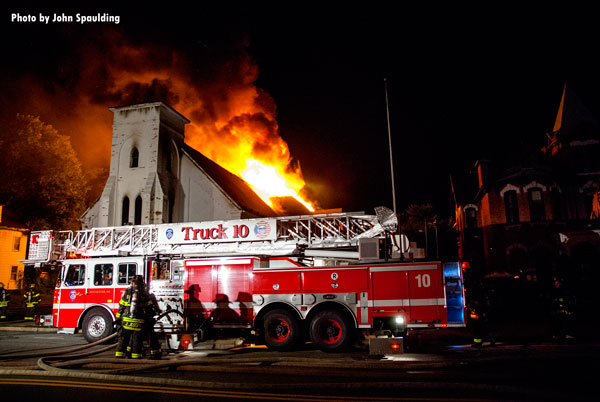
(75, 275)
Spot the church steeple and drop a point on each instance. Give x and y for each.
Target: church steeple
(559, 114)
(574, 121)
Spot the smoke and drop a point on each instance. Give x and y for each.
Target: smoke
(231, 119)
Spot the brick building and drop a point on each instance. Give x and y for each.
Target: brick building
(533, 219)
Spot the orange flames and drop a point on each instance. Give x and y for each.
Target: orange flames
(248, 144)
(232, 121)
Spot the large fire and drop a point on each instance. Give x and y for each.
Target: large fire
(232, 121)
(249, 145)
(243, 135)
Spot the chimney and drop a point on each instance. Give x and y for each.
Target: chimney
(482, 171)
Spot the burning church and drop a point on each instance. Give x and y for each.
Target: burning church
(155, 177)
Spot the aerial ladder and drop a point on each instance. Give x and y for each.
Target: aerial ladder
(337, 235)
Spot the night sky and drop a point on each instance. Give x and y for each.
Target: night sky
(463, 84)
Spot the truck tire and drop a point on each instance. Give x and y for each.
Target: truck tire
(97, 324)
(331, 331)
(282, 330)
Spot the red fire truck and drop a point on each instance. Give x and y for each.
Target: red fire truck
(321, 278)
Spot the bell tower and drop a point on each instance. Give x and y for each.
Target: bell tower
(144, 167)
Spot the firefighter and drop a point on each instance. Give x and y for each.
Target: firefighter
(4, 299)
(562, 304)
(478, 314)
(150, 312)
(130, 319)
(32, 298)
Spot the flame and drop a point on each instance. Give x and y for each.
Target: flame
(268, 182)
(232, 121)
(249, 145)
(241, 134)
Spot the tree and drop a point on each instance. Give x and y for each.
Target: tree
(436, 235)
(418, 217)
(40, 175)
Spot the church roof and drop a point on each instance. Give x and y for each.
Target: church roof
(236, 188)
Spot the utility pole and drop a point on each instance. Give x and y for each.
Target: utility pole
(390, 142)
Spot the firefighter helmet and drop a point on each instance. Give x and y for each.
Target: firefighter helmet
(1, 284)
(138, 281)
(31, 286)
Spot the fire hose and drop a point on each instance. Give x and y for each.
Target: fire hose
(47, 361)
(64, 359)
(69, 350)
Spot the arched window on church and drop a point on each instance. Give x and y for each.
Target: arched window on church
(138, 210)
(135, 158)
(125, 211)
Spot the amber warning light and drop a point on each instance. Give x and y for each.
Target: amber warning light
(386, 346)
(186, 342)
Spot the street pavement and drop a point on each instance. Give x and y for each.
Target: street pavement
(515, 332)
(439, 364)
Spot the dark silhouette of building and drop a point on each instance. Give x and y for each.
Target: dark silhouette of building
(536, 218)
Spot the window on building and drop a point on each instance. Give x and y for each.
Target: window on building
(167, 155)
(471, 218)
(17, 243)
(75, 275)
(588, 200)
(537, 211)
(135, 158)
(511, 206)
(125, 211)
(558, 212)
(14, 273)
(138, 210)
(126, 272)
(103, 274)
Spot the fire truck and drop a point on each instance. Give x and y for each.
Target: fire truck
(286, 280)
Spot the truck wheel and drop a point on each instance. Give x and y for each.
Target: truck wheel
(282, 330)
(331, 331)
(97, 324)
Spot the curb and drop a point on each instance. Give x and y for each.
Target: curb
(27, 329)
(24, 326)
